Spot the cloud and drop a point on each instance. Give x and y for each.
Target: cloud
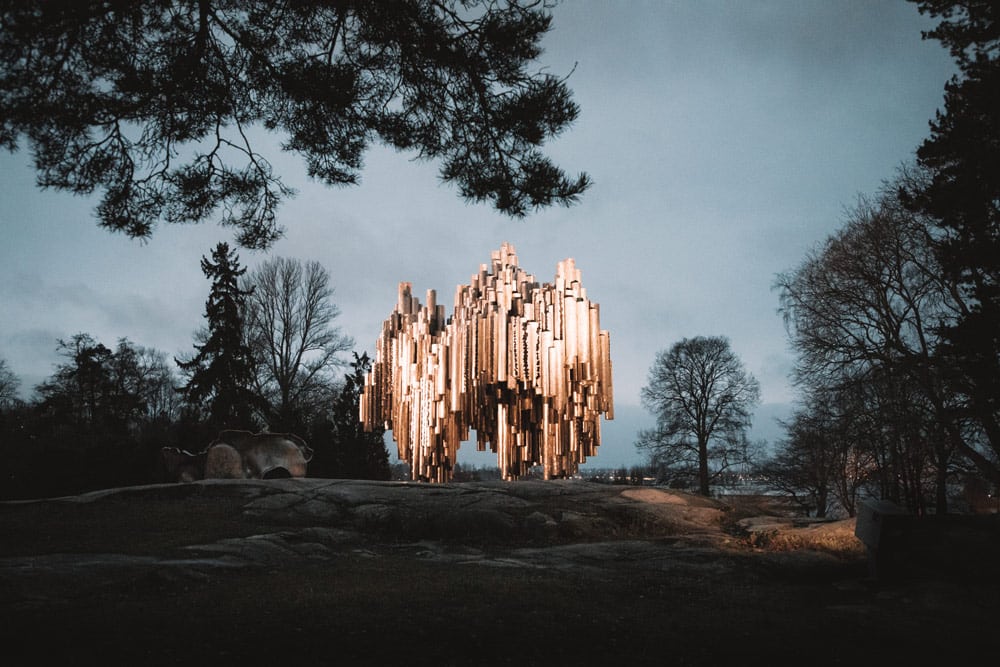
(724, 140)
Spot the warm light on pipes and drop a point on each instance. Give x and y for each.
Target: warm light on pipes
(525, 365)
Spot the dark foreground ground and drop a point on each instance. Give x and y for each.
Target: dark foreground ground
(325, 572)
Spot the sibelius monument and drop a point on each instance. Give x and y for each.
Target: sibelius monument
(524, 364)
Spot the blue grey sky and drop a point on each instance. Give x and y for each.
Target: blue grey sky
(724, 139)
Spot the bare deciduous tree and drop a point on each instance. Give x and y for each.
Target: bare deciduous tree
(827, 454)
(289, 329)
(868, 307)
(702, 398)
(9, 384)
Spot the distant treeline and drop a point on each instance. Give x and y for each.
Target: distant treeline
(267, 359)
(102, 418)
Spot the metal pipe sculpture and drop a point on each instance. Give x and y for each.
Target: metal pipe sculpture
(525, 365)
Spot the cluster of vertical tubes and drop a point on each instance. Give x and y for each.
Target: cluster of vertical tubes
(524, 365)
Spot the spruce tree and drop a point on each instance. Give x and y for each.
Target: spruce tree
(962, 194)
(220, 374)
(353, 452)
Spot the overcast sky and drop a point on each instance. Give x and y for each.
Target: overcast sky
(724, 139)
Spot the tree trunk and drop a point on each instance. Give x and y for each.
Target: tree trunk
(703, 467)
(941, 480)
(821, 503)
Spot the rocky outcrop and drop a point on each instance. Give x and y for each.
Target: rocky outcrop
(556, 525)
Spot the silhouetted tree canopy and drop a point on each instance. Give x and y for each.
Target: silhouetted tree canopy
(962, 195)
(98, 421)
(343, 448)
(82, 394)
(152, 103)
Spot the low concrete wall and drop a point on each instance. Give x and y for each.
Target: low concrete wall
(950, 546)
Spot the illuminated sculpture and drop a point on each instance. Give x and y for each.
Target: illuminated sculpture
(525, 365)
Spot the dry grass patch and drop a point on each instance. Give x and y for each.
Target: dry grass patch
(776, 534)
